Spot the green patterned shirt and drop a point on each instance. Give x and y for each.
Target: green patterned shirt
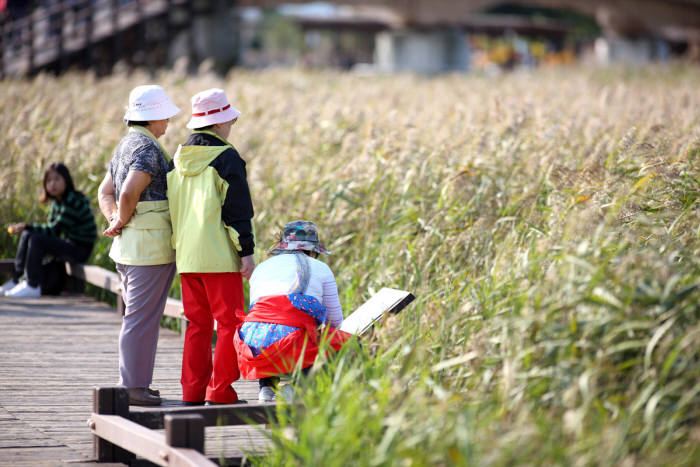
(71, 218)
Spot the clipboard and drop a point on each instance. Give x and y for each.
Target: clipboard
(385, 301)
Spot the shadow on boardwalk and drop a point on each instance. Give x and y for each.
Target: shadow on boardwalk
(53, 351)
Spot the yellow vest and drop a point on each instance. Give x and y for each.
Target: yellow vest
(196, 193)
(146, 239)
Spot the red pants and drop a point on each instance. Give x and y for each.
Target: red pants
(207, 297)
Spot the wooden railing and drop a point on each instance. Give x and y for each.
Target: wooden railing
(110, 281)
(52, 32)
(121, 433)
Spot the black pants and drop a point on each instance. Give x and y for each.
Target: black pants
(272, 381)
(33, 246)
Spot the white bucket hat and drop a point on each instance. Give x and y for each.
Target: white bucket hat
(211, 107)
(149, 102)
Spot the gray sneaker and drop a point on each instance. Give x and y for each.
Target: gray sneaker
(286, 393)
(266, 394)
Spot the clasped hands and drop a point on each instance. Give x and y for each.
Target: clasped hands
(115, 227)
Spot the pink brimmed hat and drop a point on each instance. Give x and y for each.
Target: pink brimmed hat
(211, 107)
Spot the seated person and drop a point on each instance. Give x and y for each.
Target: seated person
(291, 295)
(68, 234)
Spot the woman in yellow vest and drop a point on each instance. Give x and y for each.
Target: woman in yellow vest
(133, 197)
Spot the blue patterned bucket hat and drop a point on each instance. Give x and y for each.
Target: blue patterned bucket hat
(300, 235)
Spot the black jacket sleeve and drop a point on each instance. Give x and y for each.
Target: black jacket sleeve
(237, 210)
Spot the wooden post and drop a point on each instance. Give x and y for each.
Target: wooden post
(185, 431)
(4, 43)
(169, 32)
(61, 33)
(141, 34)
(89, 32)
(30, 27)
(110, 401)
(116, 34)
(190, 32)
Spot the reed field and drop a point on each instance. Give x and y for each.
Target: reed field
(547, 223)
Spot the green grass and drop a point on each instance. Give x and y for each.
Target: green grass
(546, 222)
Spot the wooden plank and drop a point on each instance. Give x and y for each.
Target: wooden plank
(385, 301)
(96, 275)
(79, 349)
(111, 281)
(185, 431)
(174, 309)
(183, 457)
(212, 415)
(143, 442)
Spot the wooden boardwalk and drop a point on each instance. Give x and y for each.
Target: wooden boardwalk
(53, 351)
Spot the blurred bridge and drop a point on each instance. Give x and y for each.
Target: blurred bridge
(54, 34)
(673, 20)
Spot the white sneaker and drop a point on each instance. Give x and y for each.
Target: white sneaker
(286, 392)
(24, 290)
(266, 394)
(7, 286)
(19, 285)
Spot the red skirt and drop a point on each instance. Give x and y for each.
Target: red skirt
(300, 346)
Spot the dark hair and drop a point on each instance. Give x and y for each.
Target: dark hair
(136, 122)
(61, 170)
(208, 127)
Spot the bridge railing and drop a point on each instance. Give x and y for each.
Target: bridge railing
(50, 33)
(110, 281)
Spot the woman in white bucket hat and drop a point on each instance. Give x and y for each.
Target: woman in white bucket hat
(133, 198)
(212, 214)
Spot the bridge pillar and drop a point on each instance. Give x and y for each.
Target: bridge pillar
(614, 49)
(430, 51)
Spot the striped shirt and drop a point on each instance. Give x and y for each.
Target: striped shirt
(71, 218)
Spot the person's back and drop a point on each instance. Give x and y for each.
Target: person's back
(137, 151)
(278, 275)
(211, 212)
(211, 219)
(292, 294)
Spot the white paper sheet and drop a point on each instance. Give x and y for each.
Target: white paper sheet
(380, 303)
